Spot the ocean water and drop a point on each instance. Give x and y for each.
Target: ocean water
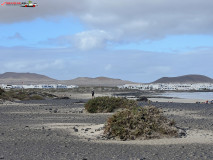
(190, 95)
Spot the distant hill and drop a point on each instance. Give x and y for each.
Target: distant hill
(98, 81)
(185, 79)
(32, 78)
(25, 78)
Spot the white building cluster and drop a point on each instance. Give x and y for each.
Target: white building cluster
(38, 86)
(169, 86)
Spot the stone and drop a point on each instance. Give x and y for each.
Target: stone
(75, 129)
(87, 129)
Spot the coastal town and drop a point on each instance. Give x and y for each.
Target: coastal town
(38, 86)
(170, 86)
(144, 87)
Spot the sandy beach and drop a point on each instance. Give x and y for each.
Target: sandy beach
(177, 100)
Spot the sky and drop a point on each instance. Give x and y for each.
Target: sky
(136, 40)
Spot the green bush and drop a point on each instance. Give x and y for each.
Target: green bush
(139, 122)
(108, 104)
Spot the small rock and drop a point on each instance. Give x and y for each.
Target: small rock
(99, 129)
(87, 129)
(1, 157)
(182, 133)
(75, 129)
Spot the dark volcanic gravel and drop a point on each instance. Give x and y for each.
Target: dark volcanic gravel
(19, 140)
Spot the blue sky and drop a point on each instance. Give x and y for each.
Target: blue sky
(139, 41)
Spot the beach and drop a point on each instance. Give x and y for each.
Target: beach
(61, 129)
(177, 100)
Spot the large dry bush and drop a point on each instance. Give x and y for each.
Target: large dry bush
(140, 122)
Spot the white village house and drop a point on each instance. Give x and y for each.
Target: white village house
(38, 86)
(169, 86)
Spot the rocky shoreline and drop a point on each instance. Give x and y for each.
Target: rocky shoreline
(51, 129)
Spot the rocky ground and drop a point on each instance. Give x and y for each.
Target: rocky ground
(52, 129)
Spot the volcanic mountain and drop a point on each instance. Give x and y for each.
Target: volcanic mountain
(25, 78)
(185, 79)
(98, 81)
(32, 78)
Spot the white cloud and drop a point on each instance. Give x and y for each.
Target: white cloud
(89, 40)
(150, 19)
(132, 20)
(84, 41)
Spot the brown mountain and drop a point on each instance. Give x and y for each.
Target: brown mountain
(25, 78)
(98, 81)
(32, 78)
(185, 79)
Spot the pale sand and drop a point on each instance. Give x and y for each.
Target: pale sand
(96, 130)
(176, 100)
(81, 95)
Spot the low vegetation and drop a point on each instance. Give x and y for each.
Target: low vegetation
(140, 122)
(133, 122)
(23, 95)
(108, 104)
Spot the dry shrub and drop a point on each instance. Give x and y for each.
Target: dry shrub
(108, 104)
(140, 122)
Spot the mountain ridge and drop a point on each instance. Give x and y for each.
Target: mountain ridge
(191, 78)
(14, 75)
(98, 81)
(33, 78)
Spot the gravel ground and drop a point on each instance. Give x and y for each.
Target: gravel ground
(20, 140)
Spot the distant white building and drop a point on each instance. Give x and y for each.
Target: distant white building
(169, 86)
(38, 86)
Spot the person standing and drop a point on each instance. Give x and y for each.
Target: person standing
(93, 93)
